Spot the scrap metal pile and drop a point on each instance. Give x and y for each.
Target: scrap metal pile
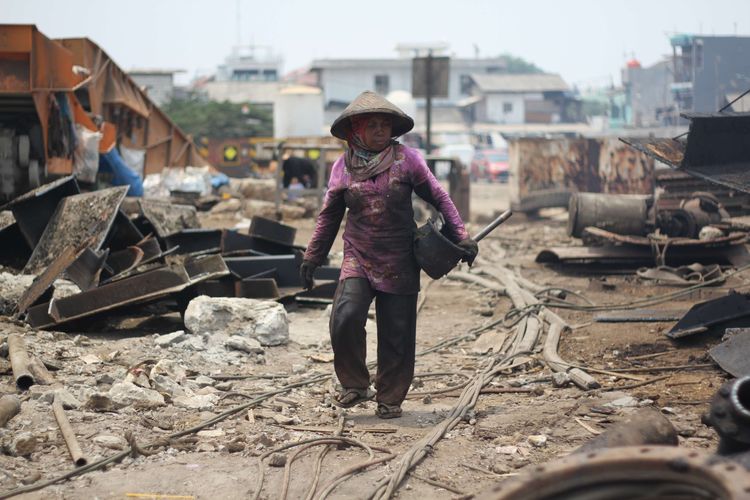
(114, 254)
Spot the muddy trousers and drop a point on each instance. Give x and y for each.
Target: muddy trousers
(396, 317)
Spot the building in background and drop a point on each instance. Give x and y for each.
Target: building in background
(157, 83)
(648, 95)
(525, 98)
(707, 70)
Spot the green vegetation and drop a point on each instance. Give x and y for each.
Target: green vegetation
(220, 119)
(520, 65)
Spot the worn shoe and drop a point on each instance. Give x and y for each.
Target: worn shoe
(388, 411)
(352, 397)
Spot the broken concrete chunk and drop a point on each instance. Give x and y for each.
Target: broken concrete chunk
(263, 320)
(203, 381)
(100, 402)
(171, 369)
(111, 442)
(196, 402)
(211, 433)
(127, 394)
(623, 402)
(22, 444)
(63, 288)
(69, 402)
(538, 440)
(167, 385)
(560, 379)
(12, 287)
(244, 344)
(277, 460)
(171, 338)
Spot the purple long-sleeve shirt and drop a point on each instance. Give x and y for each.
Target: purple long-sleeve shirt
(379, 228)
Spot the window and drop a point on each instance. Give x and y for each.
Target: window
(381, 84)
(507, 107)
(465, 82)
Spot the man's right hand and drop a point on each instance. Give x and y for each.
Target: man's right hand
(306, 271)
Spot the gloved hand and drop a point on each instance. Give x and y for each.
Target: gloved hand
(470, 248)
(306, 271)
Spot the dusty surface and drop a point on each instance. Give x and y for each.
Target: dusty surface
(491, 445)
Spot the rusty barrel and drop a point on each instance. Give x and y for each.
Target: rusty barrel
(619, 213)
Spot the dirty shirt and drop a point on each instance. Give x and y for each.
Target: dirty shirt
(380, 224)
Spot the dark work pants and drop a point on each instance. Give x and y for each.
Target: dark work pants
(396, 317)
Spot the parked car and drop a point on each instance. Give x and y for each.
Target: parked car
(490, 165)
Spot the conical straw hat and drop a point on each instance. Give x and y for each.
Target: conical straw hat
(370, 102)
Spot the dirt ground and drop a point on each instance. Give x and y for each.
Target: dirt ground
(492, 444)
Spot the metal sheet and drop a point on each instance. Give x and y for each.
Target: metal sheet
(167, 218)
(76, 218)
(14, 251)
(257, 288)
(122, 234)
(716, 149)
(287, 267)
(272, 231)
(235, 243)
(61, 262)
(194, 241)
(544, 172)
(139, 288)
(34, 209)
(638, 316)
(86, 269)
(207, 267)
(732, 310)
(733, 355)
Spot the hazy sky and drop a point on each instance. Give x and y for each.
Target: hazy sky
(586, 41)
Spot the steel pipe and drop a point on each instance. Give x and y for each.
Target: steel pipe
(19, 362)
(79, 459)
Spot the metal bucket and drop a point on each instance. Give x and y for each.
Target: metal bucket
(435, 253)
(618, 213)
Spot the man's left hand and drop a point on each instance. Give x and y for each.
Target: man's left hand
(471, 249)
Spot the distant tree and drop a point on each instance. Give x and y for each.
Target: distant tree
(219, 119)
(520, 65)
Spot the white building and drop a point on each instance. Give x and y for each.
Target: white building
(158, 83)
(519, 98)
(344, 79)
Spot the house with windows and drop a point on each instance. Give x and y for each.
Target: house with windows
(341, 80)
(522, 98)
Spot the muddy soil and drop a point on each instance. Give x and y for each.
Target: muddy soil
(491, 445)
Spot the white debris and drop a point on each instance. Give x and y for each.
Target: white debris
(170, 338)
(538, 440)
(127, 393)
(196, 402)
(623, 402)
(169, 368)
(244, 344)
(264, 320)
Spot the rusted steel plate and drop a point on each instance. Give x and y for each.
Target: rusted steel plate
(139, 288)
(167, 218)
(286, 266)
(257, 288)
(86, 270)
(272, 231)
(42, 282)
(33, 210)
(124, 260)
(76, 218)
(188, 241)
(629, 472)
(207, 267)
(716, 149)
(543, 172)
(733, 310)
(733, 355)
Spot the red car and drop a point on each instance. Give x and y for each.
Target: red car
(490, 165)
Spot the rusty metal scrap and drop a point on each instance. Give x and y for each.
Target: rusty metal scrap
(166, 218)
(19, 361)
(716, 149)
(77, 217)
(629, 472)
(544, 172)
(730, 416)
(733, 355)
(732, 310)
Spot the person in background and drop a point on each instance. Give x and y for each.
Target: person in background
(294, 187)
(374, 179)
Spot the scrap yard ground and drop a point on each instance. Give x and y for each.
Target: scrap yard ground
(520, 420)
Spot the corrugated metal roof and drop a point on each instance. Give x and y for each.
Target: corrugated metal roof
(533, 82)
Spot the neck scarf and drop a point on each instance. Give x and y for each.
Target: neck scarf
(362, 163)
